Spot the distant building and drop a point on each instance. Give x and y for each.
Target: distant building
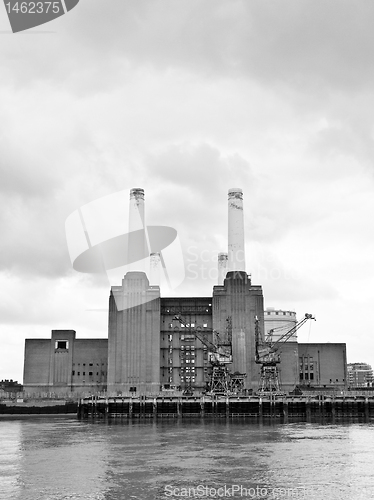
(148, 348)
(360, 375)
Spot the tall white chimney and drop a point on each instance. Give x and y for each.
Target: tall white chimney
(137, 237)
(236, 251)
(222, 267)
(155, 269)
(136, 214)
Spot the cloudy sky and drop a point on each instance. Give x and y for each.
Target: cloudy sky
(187, 99)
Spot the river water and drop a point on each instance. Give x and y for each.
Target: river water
(63, 458)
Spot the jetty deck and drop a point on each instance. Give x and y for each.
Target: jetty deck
(280, 407)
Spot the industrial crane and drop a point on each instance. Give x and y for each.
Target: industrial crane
(219, 355)
(268, 357)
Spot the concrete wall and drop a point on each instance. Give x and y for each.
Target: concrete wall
(240, 301)
(134, 336)
(328, 363)
(36, 363)
(289, 366)
(90, 365)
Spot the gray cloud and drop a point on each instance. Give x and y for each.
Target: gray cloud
(309, 45)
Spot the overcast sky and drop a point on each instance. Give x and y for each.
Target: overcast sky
(187, 99)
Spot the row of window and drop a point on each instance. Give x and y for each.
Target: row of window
(309, 367)
(184, 348)
(280, 313)
(89, 373)
(183, 379)
(310, 376)
(183, 360)
(184, 369)
(188, 379)
(187, 325)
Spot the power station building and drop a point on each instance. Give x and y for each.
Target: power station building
(157, 343)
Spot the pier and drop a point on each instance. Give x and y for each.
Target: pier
(284, 408)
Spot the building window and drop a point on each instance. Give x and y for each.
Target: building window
(90, 373)
(61, 344)
(79, 374)
(170, 337)
(205, 325)
(84, 373)
(311, 376)
(301, 376)
(91, 364)
(73, 372)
